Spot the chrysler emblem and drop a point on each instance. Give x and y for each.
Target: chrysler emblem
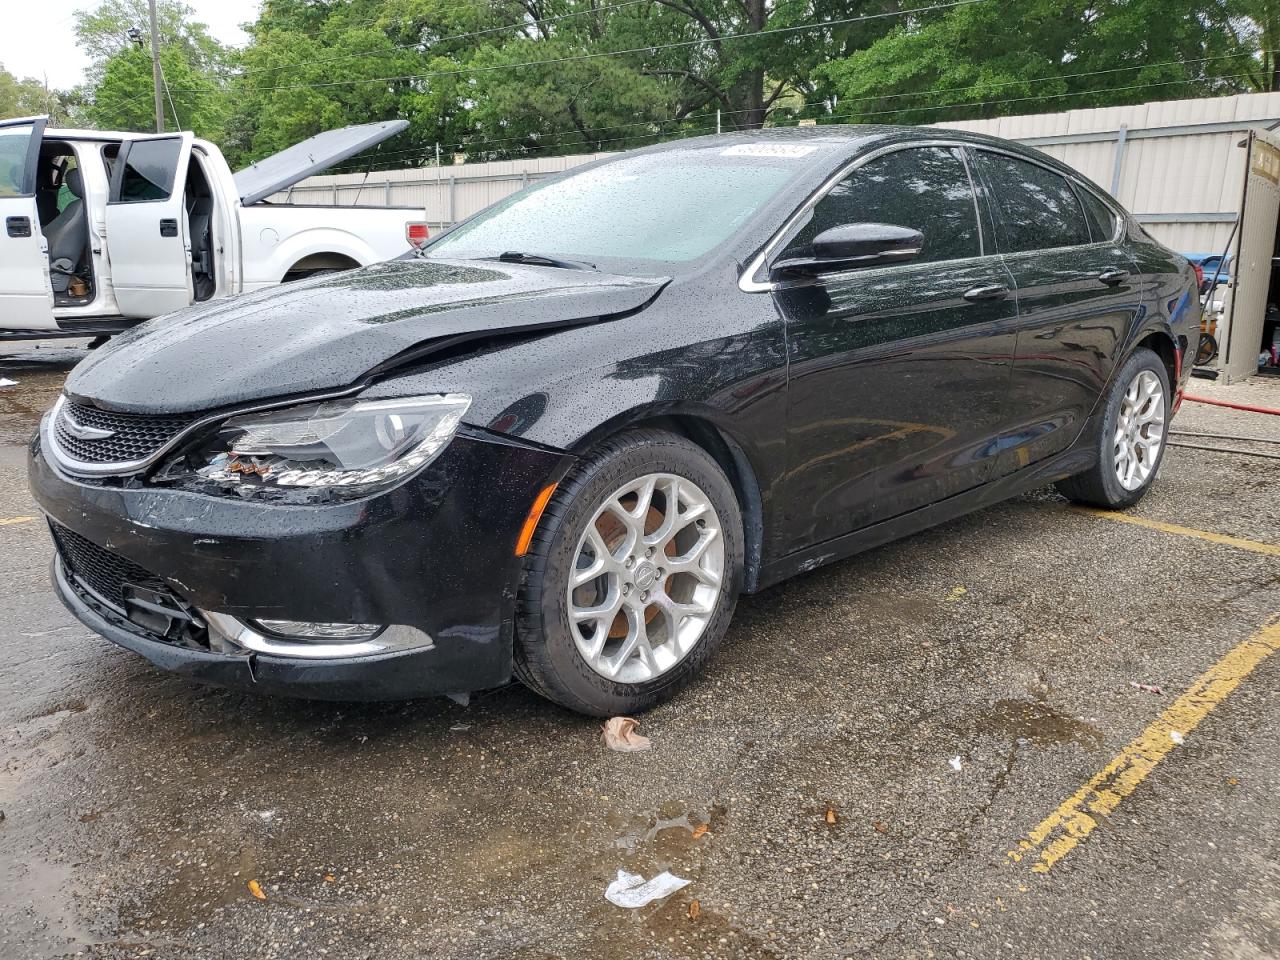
(81, 432)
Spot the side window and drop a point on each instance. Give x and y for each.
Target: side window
(924, 188)
(149, 167)
(1102, 221)
(17, 160)
(1038, 207)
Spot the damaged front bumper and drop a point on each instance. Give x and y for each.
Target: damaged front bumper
(183, 578)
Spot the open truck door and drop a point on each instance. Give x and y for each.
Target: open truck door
(26, 296)
(147, 232)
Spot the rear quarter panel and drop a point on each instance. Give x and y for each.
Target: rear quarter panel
(275, 237)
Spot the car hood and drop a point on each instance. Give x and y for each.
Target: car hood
(329, 332)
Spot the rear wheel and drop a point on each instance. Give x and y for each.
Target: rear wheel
(1131, 439)
(632, 576)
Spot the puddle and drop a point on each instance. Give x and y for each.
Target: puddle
(1037, 723)
(22, 406)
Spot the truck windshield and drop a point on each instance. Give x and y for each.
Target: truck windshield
(672, 206)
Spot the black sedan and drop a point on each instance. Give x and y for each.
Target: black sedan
(564, 437)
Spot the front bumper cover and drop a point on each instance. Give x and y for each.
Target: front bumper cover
(435, 554)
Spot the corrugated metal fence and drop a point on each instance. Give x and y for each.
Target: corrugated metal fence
(1175, 164)
(447, 193)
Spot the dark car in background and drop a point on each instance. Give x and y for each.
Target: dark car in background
(565, 437)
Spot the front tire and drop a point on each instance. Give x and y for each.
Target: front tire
(632, 576)
(1131, 437)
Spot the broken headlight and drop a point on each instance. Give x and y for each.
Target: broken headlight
(355, 446)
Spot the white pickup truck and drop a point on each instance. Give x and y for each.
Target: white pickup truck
(103, 230)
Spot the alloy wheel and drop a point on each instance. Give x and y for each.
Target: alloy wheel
(646, 580)
(1139, 430)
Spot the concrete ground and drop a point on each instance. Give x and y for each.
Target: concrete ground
(819, 753)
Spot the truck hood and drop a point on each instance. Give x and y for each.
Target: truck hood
(282, 170)
(330, 332)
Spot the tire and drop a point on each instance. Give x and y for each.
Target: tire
(1102, 484)
(550, 652)
(1207, 350)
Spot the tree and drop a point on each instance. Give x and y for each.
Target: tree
(30, 97)
(118, 91)
(1003, 57)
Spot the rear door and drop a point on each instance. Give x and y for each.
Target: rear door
(147, 230)
(1077, 296)
(26, 298)
(898, 373)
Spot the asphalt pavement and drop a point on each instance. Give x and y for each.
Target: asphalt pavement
(933, 749)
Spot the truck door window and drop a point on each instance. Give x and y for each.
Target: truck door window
(15, 159)
(148, 172)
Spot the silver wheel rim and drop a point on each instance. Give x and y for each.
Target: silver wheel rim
(1139, 430)
(646, 578)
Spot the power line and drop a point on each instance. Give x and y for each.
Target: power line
(650, 49)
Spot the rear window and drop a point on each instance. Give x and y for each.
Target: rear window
(1037, 207)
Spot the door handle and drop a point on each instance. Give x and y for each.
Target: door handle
(994, 291)
(168, 227)
(1113, 277)
(18, 226)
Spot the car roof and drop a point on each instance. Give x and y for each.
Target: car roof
(843, 138)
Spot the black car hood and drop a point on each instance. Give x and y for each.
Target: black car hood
(328, 332)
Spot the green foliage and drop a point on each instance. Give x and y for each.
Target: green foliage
(493, 79)
(118, 94)
(27, 97)
(1035, 56)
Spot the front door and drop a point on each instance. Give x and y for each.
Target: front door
(898, 373)
(26, 297)
(1078, 296)
(147, 230)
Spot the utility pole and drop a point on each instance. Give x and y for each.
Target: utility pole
(155, 67)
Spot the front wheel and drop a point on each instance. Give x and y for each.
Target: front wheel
(1131, 439)
(632, 576)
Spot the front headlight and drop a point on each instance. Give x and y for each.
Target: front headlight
(352, 445)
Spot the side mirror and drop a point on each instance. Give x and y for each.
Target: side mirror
(855, 245)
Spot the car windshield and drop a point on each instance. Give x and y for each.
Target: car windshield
(668, 207)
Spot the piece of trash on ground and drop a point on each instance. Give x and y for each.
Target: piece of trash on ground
(1176, 737)
(620, 734)
(955, 594)
(256, 889)
(631, 890)
(831, 816)
(955, 764)
(880, 827)
(6, 382)
(700, 830)
(695, 908)
(1146, 687)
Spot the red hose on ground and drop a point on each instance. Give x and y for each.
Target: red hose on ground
(1233, 406)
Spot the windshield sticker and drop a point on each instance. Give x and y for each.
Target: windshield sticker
(786, 150)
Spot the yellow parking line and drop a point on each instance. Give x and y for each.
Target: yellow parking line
(1064, 829)
(1268, 549)
(8, 521)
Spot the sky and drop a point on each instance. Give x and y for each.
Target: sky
(39, 39)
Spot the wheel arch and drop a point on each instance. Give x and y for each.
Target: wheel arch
(322, 260)
(1164, 345)
(700, 428)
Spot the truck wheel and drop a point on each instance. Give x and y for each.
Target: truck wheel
(631, 578)
(1130, 438)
